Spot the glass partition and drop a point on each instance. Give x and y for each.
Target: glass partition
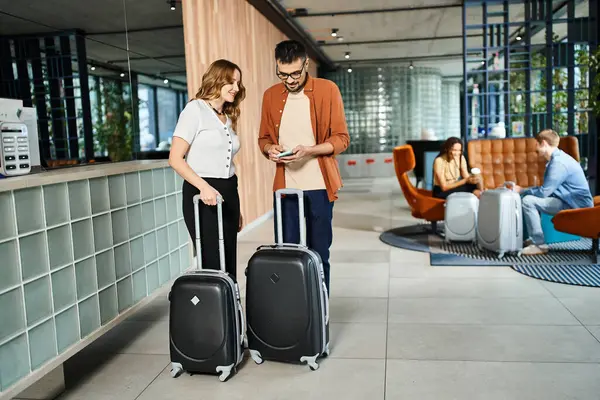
(61, 66)
(156, 51)
(531, 69)
(388, 105)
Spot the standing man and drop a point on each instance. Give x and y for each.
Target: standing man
(565, 187)
(304, 115)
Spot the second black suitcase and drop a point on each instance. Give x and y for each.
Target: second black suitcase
(206, 321)
(287, 303)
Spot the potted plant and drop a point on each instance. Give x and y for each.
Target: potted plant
(114, 130)
(594, 66)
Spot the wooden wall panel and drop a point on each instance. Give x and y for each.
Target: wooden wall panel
(234, 30)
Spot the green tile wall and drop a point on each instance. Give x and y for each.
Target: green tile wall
(7, 225)
(29, 210)
(12, 313)
(56, 204)
(64, 290)
(60, 248)
(42, 343)
(79, 199)
(75, 255)
(67, 328)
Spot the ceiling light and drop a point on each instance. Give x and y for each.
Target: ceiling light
(350, 70)
(172, 3)
(93, 68)
(122, 74)
(340, 38)
(411, 66)
(166, 81)
(347, 55)
(483, 63)
(334, 32)
(297, 12)
(519, 38)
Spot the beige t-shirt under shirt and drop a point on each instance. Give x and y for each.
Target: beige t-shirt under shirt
(296, 129)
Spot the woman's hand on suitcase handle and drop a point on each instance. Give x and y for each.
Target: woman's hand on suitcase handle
(208, 195)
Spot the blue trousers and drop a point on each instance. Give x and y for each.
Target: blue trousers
(532, 207)
(318, 212)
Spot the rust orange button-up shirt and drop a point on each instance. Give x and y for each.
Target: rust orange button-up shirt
(328, 123)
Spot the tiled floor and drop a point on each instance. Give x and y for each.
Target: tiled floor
(401, 329)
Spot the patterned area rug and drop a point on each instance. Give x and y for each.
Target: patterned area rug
(580, 275)
(442, 254)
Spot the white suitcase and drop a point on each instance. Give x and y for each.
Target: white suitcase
(460, 220)
(500, 221)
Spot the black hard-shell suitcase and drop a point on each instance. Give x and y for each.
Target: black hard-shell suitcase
(287, 307)
(206, 322)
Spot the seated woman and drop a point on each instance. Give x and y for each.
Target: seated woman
(451, 174)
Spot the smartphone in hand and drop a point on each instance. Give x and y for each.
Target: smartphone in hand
(285, 154)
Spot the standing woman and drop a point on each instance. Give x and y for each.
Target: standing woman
(202, 151)
(451, 173)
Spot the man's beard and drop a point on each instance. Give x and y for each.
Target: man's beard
(297, 88)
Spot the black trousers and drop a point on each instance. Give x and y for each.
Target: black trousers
(209, 234)
(466, 188)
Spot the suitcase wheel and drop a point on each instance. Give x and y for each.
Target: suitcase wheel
(176, 370)
(327, 351)
(311, 361)
(256, 357)
(225, 372)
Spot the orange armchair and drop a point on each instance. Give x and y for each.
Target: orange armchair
(513, 159)
(422, 204)
(584, 222)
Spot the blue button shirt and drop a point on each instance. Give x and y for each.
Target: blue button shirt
(564, 179)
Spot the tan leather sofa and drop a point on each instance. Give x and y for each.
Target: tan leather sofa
(513, 159)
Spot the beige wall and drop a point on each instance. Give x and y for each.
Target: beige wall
(236, 31)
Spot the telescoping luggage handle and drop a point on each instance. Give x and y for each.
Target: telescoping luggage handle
(300, 194)
(221, 248)
(301, 221)
(220, 225)
(510, 185)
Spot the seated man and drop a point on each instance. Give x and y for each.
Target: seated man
(565, 187)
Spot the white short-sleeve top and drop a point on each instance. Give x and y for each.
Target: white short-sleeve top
(213, 144)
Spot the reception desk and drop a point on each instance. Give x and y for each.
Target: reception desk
(80, 249)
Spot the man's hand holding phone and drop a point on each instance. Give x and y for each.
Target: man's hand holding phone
(277, 153)
(285, 154)
(273, 152)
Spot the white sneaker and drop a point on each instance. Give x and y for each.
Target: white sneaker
(534, 250)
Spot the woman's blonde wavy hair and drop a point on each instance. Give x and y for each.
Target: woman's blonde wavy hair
(219, 74)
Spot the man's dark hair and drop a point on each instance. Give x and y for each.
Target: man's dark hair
(289, 51)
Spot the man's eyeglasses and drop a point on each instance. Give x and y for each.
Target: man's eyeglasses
(295, 75)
